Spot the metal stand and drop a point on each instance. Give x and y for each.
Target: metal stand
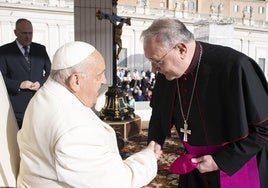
(115, 107)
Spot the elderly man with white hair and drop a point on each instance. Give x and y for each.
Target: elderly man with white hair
(67, 145)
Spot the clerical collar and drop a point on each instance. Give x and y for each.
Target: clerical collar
(195, 58)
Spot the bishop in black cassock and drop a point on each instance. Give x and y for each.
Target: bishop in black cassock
(228, 118)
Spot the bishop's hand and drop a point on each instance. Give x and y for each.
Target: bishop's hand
(205, 164)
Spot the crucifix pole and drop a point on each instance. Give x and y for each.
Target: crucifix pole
(114, 59)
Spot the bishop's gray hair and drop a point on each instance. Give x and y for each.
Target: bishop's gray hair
(169, 32)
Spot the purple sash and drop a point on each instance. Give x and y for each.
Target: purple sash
(246, 177)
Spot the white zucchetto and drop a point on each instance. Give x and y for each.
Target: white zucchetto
(71, 54)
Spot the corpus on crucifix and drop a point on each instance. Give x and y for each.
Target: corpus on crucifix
(117, 32)
(117, 27)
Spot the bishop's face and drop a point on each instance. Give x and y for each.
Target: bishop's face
(165, 60)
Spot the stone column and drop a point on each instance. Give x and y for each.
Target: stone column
(97, 32)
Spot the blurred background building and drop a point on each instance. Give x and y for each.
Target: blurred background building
(240, 24)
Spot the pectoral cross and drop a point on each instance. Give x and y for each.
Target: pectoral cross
(185, 131)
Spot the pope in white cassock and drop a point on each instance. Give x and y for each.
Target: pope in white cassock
(9, 157)
(64, 144)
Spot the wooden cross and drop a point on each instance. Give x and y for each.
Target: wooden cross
(185, 131)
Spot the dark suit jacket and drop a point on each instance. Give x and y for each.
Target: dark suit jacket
(16, 69)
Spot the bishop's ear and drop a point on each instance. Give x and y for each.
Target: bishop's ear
(182, 49)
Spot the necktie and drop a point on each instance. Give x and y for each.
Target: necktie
(26, 53)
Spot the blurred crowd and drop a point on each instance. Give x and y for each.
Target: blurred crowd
(136, 85)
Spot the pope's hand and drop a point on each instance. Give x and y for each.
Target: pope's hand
(156, 148)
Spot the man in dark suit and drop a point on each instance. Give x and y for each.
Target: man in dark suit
(25, 67)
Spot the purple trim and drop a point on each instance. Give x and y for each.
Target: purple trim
(245, 177)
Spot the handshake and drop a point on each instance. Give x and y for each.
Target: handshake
(156, 148)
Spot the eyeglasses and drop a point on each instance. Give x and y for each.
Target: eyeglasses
(162, 58)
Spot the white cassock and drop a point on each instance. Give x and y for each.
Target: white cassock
(65, 144)
(9, 157)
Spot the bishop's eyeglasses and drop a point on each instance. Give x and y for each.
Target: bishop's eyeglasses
(158, 62)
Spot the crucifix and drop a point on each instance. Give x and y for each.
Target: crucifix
(185, 131)
(116, 107)
(117, 32)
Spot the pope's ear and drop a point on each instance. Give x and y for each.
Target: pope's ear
(74, 82)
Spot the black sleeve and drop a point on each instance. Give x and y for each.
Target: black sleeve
(234, 155)
(162, 105)
(255, 99)
(155, 132)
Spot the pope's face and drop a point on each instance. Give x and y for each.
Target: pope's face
(91, 83)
